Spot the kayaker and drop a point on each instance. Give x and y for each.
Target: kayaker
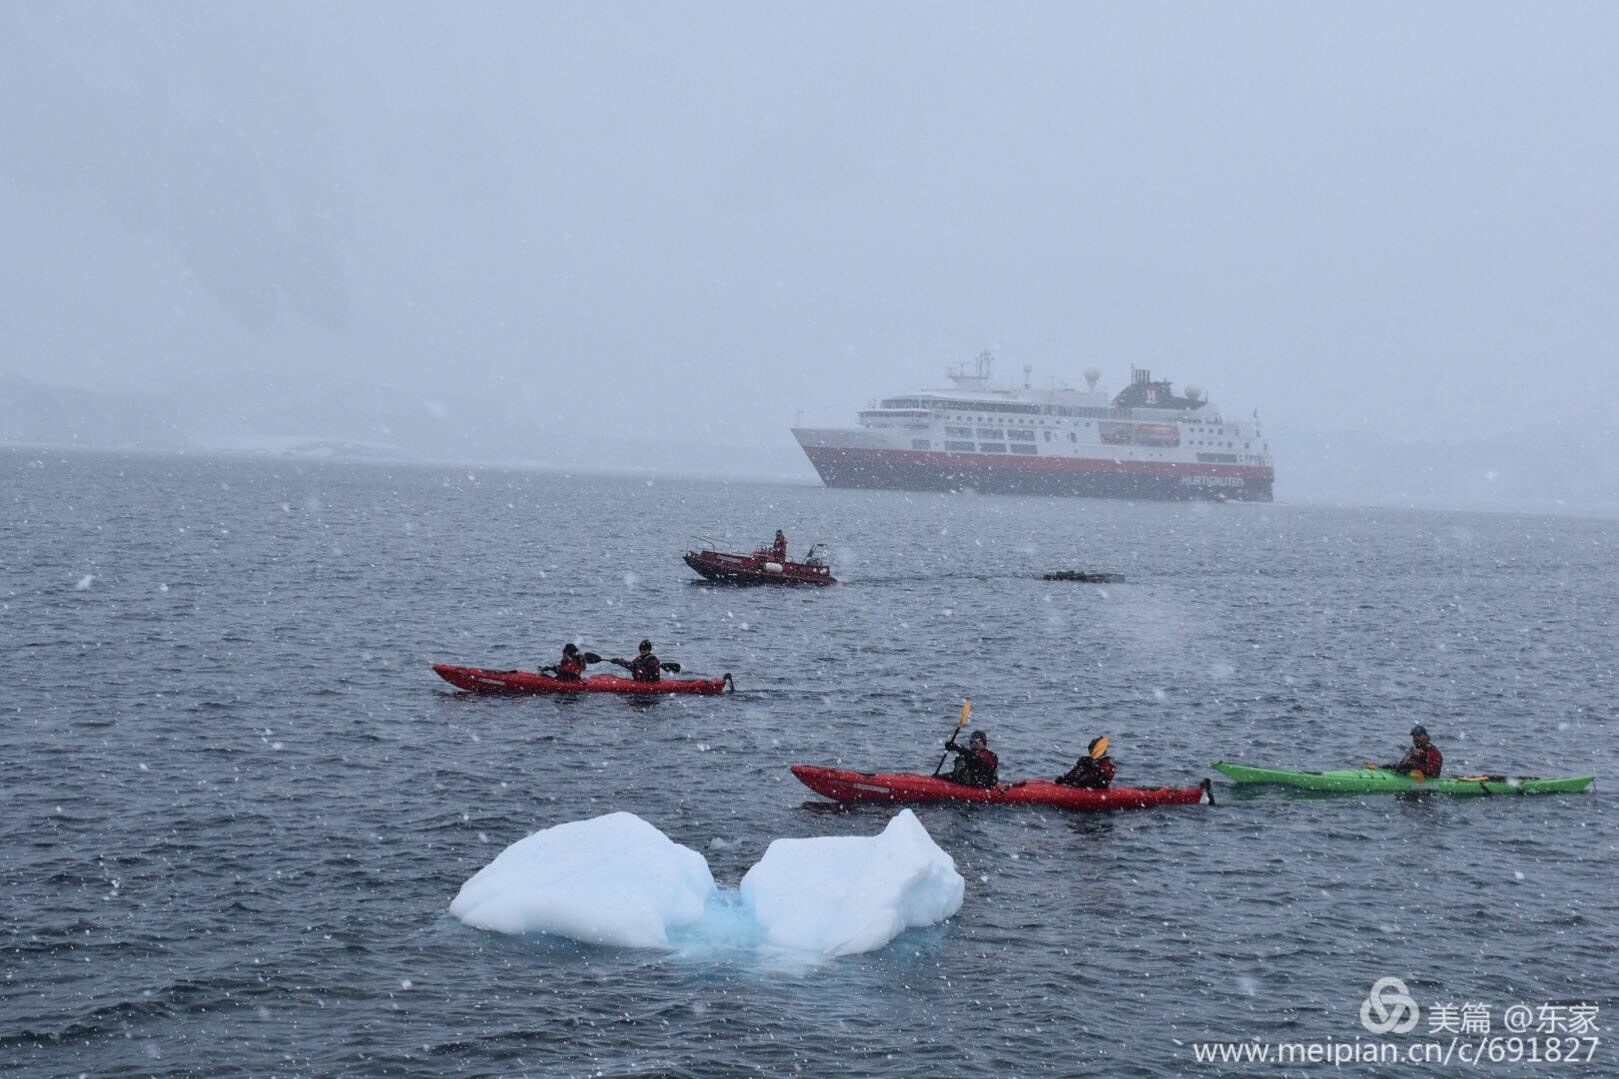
(975, 765)
(572, 667)
(644, 667)
(1094, 771)
(1423, 756)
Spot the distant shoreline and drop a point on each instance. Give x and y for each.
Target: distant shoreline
(1428, 504)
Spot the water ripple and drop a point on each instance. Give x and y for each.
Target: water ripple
(238, 808)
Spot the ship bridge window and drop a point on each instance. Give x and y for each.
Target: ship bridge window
(992, 447)
(990, 432)
(959, 447)
(958, 432)
(1020, 435)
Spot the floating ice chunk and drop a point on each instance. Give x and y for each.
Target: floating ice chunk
(85, 582)
(613, 880)
(839, 895)
(617, 880)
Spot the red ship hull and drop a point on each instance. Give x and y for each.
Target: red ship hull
(922, 470)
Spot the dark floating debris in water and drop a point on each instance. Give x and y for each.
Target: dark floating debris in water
(1085, 575)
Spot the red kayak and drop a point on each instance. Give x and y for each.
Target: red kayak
(757, 568)
(479, 680)
(909, 787)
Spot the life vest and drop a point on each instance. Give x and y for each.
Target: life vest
(1090, 774)
(976, 767)
(1427, 760)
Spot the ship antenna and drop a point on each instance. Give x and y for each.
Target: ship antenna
(980, 377)
(1027, 368)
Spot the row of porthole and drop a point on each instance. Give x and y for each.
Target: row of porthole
(1001, 420)
(992, 420)
(952, 446)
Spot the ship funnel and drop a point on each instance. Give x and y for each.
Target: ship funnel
(1091, 375)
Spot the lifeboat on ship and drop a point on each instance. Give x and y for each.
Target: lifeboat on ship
(760, 568)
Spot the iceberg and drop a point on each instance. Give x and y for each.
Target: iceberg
(840, 895)
(613, 880)
(617, 880)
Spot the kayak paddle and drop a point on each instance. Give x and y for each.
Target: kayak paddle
(966, 710)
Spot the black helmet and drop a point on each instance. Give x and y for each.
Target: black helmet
(978, 738)
(646, 646)
(570, 649)
(1418, 729)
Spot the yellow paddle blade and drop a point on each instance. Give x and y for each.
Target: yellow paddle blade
(1101, 748)
(1474, 779)
(1417, 776)
(966, 710)
(1368, 764)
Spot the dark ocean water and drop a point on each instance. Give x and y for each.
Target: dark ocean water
(237, 802)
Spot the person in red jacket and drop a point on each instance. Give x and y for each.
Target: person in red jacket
(1423, 756)
(976, 765)
(1094, 771)
(572, 667)
(778, 549)
(644, 667)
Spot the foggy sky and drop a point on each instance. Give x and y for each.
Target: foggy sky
(687, 221)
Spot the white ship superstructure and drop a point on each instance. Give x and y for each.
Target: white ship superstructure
(1145, 442)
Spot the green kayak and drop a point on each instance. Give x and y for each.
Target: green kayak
(1380, 781)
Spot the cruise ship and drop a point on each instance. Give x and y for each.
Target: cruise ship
(1145, 442)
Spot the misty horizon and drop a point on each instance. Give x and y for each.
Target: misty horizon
(500, 233)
